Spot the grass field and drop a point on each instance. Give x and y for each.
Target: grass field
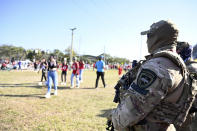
(23, 106)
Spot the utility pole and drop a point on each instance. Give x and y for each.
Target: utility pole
(71, 50)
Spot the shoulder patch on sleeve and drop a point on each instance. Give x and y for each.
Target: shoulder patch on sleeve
(146, 78)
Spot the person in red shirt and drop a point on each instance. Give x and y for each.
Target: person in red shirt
(4, 66)
(94, 66)
(75, 72)
(81, 69)
(64, 71)
(120, 71)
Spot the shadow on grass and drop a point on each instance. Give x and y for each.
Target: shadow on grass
(88, 88)
(32, 85)
(62, 88)
(35, 85)
(68, 88)
(30, 95)
(105, 113)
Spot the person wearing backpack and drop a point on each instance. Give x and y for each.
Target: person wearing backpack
(162, 92)
(184, 49)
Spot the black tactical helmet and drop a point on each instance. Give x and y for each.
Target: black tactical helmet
(181, 45)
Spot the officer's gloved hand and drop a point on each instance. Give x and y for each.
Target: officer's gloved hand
(192, 110)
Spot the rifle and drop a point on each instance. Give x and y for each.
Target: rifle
(122, 86)
(125, 81)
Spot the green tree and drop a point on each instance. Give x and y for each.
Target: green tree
(59, 54)
(30, 54)
(67, 51)
(12, 52)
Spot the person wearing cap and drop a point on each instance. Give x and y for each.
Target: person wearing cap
(100, 66)
(64, 71)
(75, 72)
(52, 76)
(158, 97)
(184, 49)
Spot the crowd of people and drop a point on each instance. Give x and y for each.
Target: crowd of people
(50, 68)
(50, 75)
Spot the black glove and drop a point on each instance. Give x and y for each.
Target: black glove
(192, 110)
